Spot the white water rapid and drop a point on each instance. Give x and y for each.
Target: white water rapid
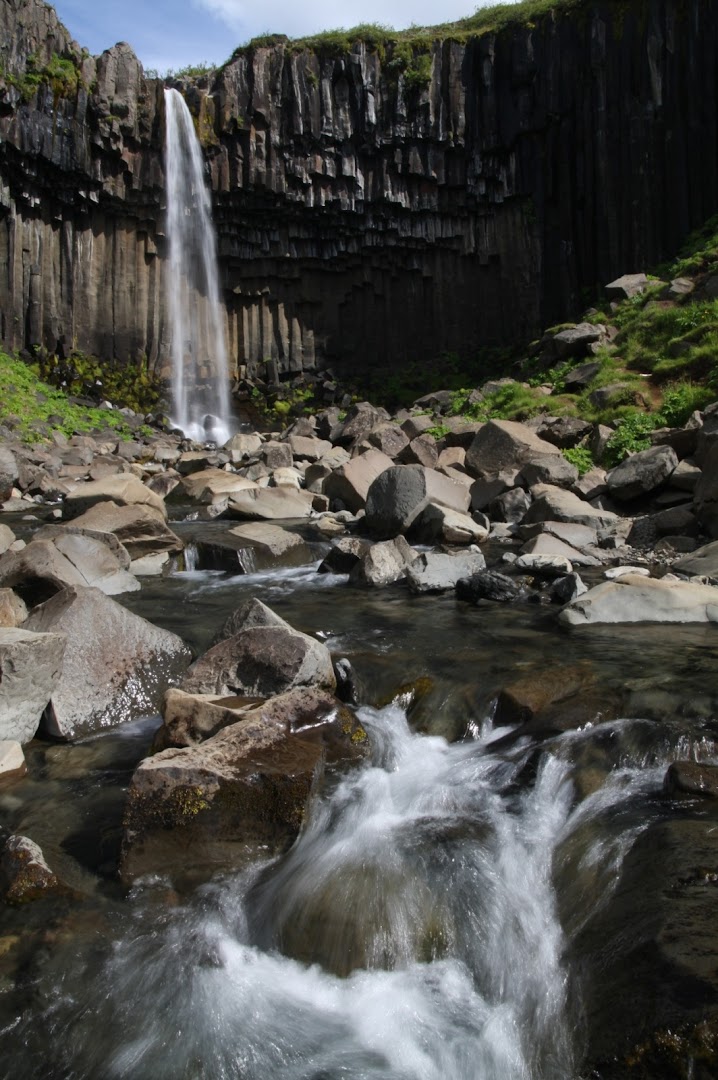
(200, 371)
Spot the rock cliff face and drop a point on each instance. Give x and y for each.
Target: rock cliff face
(362, 221)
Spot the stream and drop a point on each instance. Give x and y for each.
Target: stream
(449, 910)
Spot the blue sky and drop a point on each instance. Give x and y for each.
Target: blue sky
(171, 33)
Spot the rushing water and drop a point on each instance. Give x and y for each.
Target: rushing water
(429, 921)
(200, 371)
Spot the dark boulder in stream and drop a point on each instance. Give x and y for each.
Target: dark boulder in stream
(216, 804)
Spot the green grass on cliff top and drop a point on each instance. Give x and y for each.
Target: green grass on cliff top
(485, 20)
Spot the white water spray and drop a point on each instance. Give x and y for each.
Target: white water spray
(200, 372)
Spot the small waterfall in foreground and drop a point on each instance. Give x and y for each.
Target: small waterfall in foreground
(200, 372)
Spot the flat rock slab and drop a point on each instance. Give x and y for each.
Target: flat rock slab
(117, 666)
(140, 529)
(272, 544)
(123, 489)
(31, 666)
(635, 599)
(209, 485)
(270, 504)
(433, 572)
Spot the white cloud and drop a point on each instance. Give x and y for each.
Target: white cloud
(296, 20)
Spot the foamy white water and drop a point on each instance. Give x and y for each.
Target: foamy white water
(200, 370)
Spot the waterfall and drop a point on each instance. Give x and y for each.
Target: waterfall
(200, 372)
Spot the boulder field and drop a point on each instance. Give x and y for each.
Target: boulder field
(493, 511)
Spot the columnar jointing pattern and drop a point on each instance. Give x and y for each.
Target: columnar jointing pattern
(361, 221)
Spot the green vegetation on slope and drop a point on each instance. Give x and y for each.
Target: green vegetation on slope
(32, 408)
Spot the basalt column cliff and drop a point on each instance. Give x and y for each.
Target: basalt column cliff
(366, 218)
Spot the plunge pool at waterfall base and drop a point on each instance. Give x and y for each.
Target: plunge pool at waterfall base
(483, 900)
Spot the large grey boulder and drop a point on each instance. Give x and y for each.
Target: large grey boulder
(30, 671)
(556, 504)
(641, 473)
(350, 483)
(700, 563)
(261, 659)
(434, 571)
(117, 666)
(204, 807)
(270, 504)
(549, 470)
(399, 495)
(627, 286)
(504, 445)
(123, 489)
(383, 564)
(634, 599)
(488, 585)
(575, 340)
(548, 544)
(271, 544)
(141, 529)
(344, 555)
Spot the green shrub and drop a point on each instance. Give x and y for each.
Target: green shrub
(630, 436)
(581, 457)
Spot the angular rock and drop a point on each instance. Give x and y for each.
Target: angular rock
(270, 504)
(308, 448)
(211, 485)
(488, 585)
(641, 473)
(207, 806)
(272, 542)
(344, 555)
(259, 661)
(124, 489)
(575, 340)
(550, 470)
(399, 495)
(502, 445)
(140, 529)
(247, 616)
(242, 446)
(384, 563)
(420, 451)
(623, 288)
(31, 667)
(117, 666)
(439, 524)
(99, 558)
(24, 874)
(556, 504)
(635, 599)
(550, 566)
(565, 589)
(511, 506)
(389, 438)
(12, 760)
(13, 610)
(548, 544)
(7, 538)
(579, 377)
(350, 483)
(691, 778)
(700, 563)
(433, 572)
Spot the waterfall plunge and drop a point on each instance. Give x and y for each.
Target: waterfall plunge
(200, 372)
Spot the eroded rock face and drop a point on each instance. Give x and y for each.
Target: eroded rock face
(117, 666)
(451, 187)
